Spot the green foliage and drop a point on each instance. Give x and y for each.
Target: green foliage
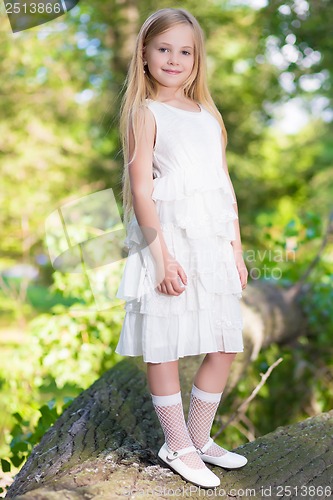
(307, 362)
(287, 248)
(24, 435)
(69, 348)
(307, 366)
(317, 305)
(74, 347)
(65, 355)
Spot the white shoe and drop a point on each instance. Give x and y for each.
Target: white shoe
(229, 460)
(201, 477)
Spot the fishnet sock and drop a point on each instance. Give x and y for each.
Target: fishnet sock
(203, 407)
(169, 410)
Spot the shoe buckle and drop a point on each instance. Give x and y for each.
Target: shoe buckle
(172, 455)
(205, 447)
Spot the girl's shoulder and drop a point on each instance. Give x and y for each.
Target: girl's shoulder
(155, 107)
(150, 102)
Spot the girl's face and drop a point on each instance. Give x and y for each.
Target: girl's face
(170, 56)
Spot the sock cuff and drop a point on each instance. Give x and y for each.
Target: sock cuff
(171, 399)
(209, 397)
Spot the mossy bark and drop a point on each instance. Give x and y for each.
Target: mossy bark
(105, 444)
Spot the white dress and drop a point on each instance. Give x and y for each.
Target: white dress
(194, 203)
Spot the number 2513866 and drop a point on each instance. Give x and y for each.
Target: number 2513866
(33, 8)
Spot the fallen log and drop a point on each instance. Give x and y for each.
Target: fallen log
(104, 446)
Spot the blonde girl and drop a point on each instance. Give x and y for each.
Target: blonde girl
(184, 273)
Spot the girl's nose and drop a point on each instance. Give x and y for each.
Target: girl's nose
(173, 58)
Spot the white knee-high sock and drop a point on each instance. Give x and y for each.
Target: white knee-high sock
(169, 410)
(202, 411)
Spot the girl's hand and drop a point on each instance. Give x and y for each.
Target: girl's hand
(241, 267)
(174, 276)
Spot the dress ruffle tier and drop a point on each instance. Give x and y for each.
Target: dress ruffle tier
(197, 220)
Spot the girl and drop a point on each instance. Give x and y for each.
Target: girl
(184, 273)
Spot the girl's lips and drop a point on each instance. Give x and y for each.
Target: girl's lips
(171, 72)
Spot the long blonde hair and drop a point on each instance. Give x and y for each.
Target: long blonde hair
(140, 85)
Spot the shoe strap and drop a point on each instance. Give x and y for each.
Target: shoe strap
(206, 446)
(172, 455)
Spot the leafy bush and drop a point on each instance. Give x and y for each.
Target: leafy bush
(25, 436)
(68, 348)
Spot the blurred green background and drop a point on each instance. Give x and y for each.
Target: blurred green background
(270, 74)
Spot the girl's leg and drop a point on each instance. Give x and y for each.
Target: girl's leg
(214, 371)
(163, 378)
(208, 386)
(164, 385)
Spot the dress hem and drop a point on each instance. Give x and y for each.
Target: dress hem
(179, 357)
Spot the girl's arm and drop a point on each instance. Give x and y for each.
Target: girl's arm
(167, 269)
(236, 244)
(141, 181)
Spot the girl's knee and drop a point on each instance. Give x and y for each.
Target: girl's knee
(221, 355)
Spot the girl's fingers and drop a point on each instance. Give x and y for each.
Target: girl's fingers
(243, 274)
(183, 276)
(171, 287)
(168, 289)
(178, 287)
(174, 286)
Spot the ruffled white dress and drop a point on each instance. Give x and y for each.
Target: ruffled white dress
(194, 202)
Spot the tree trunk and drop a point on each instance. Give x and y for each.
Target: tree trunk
(105, 444)
(270, 314)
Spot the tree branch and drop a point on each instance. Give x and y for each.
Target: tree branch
(243, 407)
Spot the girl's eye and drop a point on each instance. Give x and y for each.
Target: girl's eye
(162, 49)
